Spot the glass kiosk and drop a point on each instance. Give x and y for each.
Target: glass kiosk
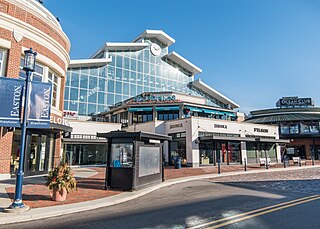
(134, 159)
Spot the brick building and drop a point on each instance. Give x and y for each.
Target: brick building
(25, 24)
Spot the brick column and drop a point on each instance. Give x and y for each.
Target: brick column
(12, 71)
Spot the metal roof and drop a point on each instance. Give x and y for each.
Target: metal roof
(285, 118)
(136, 135)
(158, 34)
(215, 94)
(175, 57)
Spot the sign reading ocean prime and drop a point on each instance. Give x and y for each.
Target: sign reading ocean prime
(40, 105)
(10, 100)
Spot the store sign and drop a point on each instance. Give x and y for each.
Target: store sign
(70, 114)
(40, 105)
(260, 130)
(10, 100)
(176, 126)
(220, 126)
(150, 98)
(294, 102)
(59, 120)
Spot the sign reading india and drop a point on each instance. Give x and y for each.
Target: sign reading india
(151, 98)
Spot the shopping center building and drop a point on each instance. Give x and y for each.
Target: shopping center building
(28, 24)
(141, 85)
(298, 121)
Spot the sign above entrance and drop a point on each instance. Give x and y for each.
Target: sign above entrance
(222, 126)
(294, 102)
(151, 98)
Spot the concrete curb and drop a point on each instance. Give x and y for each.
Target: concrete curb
(41, 213)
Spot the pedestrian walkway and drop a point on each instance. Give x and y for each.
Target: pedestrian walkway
(91, 194)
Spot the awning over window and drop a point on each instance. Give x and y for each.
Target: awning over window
(137, 109)
(231, 114)
(208, 111)
(193, 109)
(168, 108)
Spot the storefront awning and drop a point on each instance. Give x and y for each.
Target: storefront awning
(137, 109)
(168, 108)
(208, 111)
(60, 127)
(243, 139)
(195, 109)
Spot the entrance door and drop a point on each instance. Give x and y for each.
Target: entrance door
(37, 154)
(222, 152)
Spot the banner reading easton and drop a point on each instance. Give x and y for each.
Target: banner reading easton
(40, 105)
(10, 100)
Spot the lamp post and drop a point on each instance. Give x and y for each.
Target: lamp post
(28, 67)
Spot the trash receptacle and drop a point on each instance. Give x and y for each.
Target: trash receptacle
(177, 163)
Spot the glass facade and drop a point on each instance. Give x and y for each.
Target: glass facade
(94, 89)
(299, 128)
(85, 154)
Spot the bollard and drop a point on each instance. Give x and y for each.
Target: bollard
(267, 163)
(219, 172)
(312, 160)
(299, 161)
(245, 164)
(284, 163)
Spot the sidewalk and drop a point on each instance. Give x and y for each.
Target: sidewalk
(91, 195)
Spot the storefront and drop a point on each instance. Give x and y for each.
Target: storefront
(201, 141)
(298, 120)
(41, 149)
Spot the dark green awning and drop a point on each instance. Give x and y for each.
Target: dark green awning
(137, 109)
(168, 108)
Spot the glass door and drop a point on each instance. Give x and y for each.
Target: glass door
(222, 152)
(38, 154)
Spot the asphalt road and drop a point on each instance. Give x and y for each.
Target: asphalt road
(205, 204)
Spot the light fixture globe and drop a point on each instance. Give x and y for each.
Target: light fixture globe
(29, 60)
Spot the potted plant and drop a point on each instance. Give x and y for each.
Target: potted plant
(61, 181)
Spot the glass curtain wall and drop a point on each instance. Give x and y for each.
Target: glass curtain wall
(93, 89)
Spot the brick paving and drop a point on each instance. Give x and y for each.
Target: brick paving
(305, 180)
(38, 196)
(91, 188)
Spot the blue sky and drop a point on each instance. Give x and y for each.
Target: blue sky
(252, 51)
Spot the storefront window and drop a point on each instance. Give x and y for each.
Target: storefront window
(294, 128)
(168, 115)
(309, 128)
(121, 155)
(39, 153)
(178, 148)
(86, 154)
(141, 117)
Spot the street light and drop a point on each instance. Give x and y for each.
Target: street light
(28, 67)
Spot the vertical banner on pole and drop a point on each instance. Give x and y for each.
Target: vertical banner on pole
(40, 105)
(10, 100)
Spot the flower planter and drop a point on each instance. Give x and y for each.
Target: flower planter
(59, 195)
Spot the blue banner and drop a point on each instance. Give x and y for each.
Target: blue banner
(10, 101)
(39, 105)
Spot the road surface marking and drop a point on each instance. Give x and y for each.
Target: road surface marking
(261, 211)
